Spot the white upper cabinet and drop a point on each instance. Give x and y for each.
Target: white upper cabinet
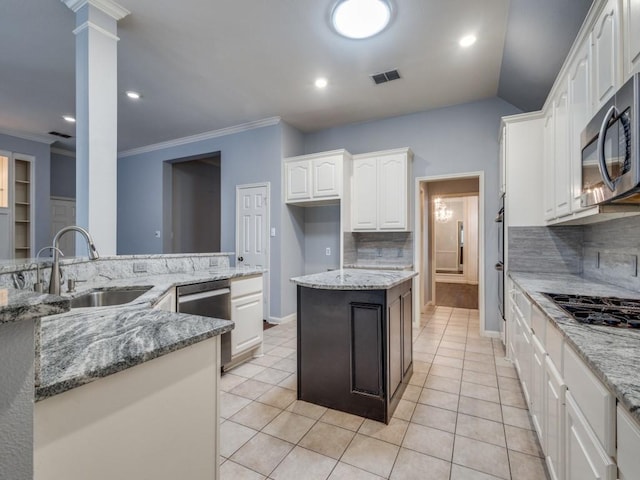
(579, 115)
(562, 184)
(548, 159)
(631, 36)
(298, 176)
(380, 191)
(521, 151)
(605, 41)
(364, 194)
(315, 179)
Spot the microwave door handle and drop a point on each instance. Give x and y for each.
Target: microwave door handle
(602, 162)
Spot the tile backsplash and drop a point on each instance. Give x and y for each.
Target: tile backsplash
(378, 248)
(607, 251)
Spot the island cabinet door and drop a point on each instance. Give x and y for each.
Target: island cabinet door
(407, 326)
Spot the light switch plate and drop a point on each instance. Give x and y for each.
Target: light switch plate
(327, 251)
(273, 231)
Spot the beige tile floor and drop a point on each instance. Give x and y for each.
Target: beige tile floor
(462, 417)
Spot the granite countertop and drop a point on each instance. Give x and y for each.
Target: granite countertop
(17, 305)
(354, 279)
(613, 354)
(372, 266)
(85, 344)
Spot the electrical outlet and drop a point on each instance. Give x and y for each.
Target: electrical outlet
(139, 267)
(157, 234)
(327, 251)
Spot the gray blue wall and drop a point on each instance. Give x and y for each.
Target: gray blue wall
(63, 176)
(451, 140)
(321, 231)
(42, 153)
(246, 157)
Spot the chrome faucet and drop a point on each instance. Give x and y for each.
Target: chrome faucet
(38, 286)
(54, 282)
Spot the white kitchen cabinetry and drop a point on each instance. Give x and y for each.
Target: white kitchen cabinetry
(585, 459)
(521, 150)
(538, 389)
(315, 179)
(380, 191)
(554, 391)
(548, 165)
(631, 37)
(579, 111)
(246, 313)
(561, 160)
(628, 442)
(605, 42)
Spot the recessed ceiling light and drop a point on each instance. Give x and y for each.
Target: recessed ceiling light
(133, 95)
(467, 40)
(321, 82)
(360, 18)
(69, 118)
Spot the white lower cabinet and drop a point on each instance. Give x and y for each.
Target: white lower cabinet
(246, 313)
(538, 388)
(555, 390)
(247, 332)
(585, 459)
(628, 457)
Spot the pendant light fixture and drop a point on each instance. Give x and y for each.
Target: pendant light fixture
(360, 19)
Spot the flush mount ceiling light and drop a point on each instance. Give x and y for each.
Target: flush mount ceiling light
(360, 18)
(321, 82)
(467, 41)
(133, 95)
(69, 118)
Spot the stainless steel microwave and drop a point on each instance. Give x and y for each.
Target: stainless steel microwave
(610, 155)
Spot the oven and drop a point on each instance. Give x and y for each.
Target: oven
(610, 156)
(209, 299)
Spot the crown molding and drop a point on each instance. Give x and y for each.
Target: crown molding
(28, 136)
(109, 7)
(267, 122)
(62, 151)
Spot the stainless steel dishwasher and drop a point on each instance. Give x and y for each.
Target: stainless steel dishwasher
(209, 299)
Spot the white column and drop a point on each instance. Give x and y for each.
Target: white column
(97, 120)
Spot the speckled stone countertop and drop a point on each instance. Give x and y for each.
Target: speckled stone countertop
(613, 354)
(354, 279)
(17, 305)
(372, 266)
(85, 344)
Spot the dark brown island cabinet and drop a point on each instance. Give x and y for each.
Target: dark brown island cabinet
(355, 348)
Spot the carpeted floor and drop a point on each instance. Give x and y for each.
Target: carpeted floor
(458, 295)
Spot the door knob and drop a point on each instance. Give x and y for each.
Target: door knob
(241, 259)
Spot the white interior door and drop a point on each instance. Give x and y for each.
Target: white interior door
(63, 214)
(252, 232)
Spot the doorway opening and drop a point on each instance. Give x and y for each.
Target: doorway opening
(449, 231)
(192, 209)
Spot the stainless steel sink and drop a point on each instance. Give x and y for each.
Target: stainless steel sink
(108, 297)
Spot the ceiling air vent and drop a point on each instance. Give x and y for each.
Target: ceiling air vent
(379, 78)
(58, 134)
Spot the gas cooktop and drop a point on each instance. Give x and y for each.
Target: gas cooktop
(609, 311)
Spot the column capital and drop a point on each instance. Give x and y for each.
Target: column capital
(109, 7)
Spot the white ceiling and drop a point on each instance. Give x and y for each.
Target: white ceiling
(203, 65)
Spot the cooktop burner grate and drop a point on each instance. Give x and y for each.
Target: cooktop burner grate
(609, 311)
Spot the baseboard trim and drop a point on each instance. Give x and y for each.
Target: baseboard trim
(287, 318)
(491, 334)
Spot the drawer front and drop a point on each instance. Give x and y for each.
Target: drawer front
(246, 286)
(628, 445)
(584, 457)
(524, 306)
(594, 399)
(554, 343)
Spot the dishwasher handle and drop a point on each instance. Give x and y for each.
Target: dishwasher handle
(199, 296)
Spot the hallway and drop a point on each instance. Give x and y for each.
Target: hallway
(462, 417)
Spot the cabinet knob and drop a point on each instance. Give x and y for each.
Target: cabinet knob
(241, 259)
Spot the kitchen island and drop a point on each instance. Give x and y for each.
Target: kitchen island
(355, 340)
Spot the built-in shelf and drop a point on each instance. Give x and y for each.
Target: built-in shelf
(22, 174)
